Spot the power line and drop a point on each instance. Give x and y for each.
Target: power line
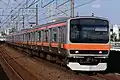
(62, 3)
(69, 9)
(34, 2)
(15, 9)
(3, 2)
(46, 4)
(31, 4)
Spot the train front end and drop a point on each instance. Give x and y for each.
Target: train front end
(88, 43)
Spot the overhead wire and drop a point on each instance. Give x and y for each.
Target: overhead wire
(5, 8)
(15, 9)
(69, 9)
(3, 2)
(35, 1)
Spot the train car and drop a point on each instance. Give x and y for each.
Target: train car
(82, 43)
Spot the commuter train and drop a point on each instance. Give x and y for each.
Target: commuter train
(82, 43)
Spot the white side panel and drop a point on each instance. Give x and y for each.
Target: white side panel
(76, 66)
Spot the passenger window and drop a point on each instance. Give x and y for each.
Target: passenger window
(33, 36)
(46, 35)
(29, 37)
(23, 37)
(36, 36)
(50, 36)
(54, 38)
(39, 35)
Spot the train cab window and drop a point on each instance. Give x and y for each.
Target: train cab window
(54, 32)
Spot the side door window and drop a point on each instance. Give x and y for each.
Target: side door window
(54, 34)
(39, 36)
(46, 35)
(62, 34)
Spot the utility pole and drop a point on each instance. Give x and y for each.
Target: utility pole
(72, 8)
(16, 26)
(23, 21)
(26, 3)
(36, 14)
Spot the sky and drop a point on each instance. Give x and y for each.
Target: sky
(105, 8)
(109, 9)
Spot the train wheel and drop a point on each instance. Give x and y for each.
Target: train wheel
(49, 57)
(58, 60)
(37, 53)
(64, 62)
(42, 55)
(31, 54)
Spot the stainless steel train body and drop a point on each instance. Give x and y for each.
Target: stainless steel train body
(83, 42)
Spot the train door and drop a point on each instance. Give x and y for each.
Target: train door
(28, 39)
(54, 40)
(61, 38)
(50, 39)
(42, 38)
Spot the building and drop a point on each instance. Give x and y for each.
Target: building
(115, 29)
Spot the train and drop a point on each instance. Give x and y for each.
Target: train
(81, 43)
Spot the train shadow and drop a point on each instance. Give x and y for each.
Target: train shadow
(113, 62)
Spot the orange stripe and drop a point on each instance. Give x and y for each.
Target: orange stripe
(73, 46)
(29, 43)
(39, 43)
(45, 44)
(87, 46)
(33, 43)
(54, 44)
(25, 42)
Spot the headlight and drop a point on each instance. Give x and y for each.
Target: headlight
(76, 51)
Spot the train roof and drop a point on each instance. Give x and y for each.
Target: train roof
(64, 19)
(57, 20)
(54, 21)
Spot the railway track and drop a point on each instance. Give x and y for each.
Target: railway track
(11, 72)
(86, 76)
(48, 70)
(19, 71)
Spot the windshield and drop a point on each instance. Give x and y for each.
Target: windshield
(85, 33)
